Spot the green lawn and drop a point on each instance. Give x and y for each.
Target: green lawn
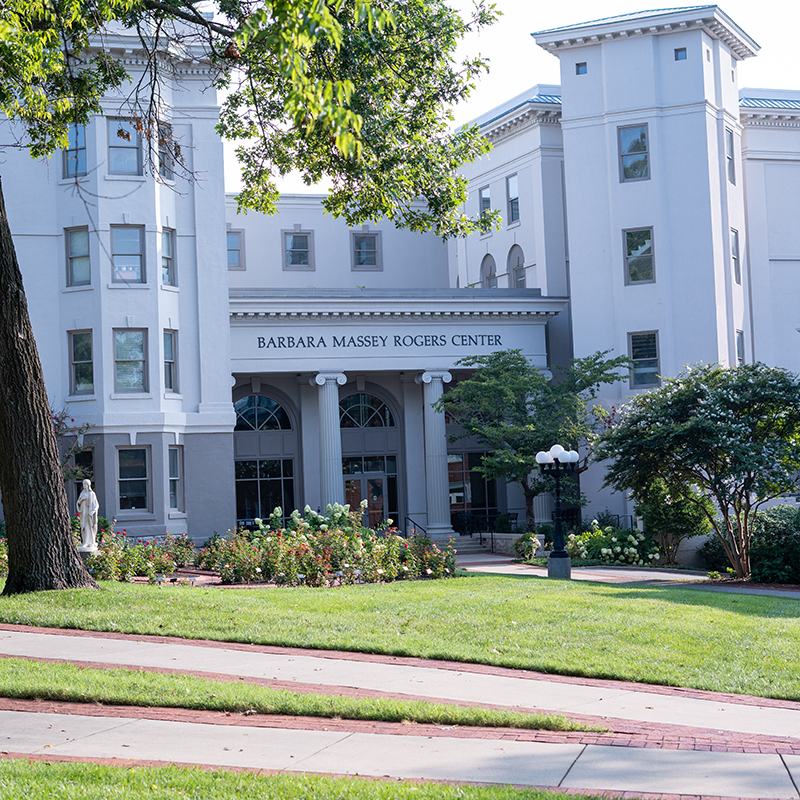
(45, 781)
(34, 680)
(683, 637)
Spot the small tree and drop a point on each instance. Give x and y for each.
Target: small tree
(726, 435)
(669, 520)
(515, 411)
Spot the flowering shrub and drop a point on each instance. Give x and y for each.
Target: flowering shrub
(3, 558)
(118, 559)
(612, 545)
(321, 550)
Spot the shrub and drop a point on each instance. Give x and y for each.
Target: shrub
(3, 555)
(526, 546)
(612, 545)
(118, 559)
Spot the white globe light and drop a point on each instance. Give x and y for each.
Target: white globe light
(573, 457)
(543, 458)
(556, 450)
(564, 457)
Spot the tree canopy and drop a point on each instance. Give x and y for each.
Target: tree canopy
(515, 411)
(730, 435)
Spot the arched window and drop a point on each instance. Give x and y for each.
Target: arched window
(516, 267)
(364, 411)
(488, 272)
(259, 413)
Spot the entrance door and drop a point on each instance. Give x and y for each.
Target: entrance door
(374, 479)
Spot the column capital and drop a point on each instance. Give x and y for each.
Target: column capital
(431, 375)
(321, 378)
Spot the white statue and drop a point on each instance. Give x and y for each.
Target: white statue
(87, 509)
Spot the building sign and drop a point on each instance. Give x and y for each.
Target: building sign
(370, 346)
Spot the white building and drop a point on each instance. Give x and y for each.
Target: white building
(648, 208)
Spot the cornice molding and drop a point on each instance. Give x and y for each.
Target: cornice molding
(764, 118)
(521, 120)
(257, 317)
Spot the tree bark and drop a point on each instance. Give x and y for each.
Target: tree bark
(41, 549)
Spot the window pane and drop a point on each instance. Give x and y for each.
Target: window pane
(128, 268)
(76, 137)
(168, 349)
(81, 346)
(634, 166)
(633, 140)
(126, 241)
(640, 269)
(130, 345)
(123, 161)
(269, 469)
(512, 187)
(166, 244)
(79, 243)
(133, 463)
(130, 375)
(133, 494)
(80, 270)
(84, 377)
(246, 469)
(365, 251)
(247, 506)
(174, 471)
(643, 346)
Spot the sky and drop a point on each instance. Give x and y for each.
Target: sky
(517, 63)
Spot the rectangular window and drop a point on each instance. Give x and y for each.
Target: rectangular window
(235, 250)
(580, 68)
(634, 161)
(484, 200)
(739, 348)
(168, 276)
(79, 271)
(176, 478)
(366, 250)
(729, 154)
(81, 363)
(84, 468)
(124, 148)
(643, 351)
(737, 266)
(298, 250)
(170, 361)
(166, 148)
(519, 277)
(130, 361)
(639, 264)
(512, 189)
(127, 254)
(75, 153)
(134, 480)
(680, 54)
(262, 486)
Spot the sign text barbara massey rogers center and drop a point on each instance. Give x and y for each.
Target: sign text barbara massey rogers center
(397, 340)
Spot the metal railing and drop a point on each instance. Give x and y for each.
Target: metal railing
(414, 529)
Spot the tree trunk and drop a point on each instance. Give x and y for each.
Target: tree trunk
(41, 550)
(530, 518)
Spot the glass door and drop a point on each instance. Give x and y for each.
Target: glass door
(374, 479)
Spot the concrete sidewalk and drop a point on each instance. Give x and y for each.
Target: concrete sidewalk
(688, 759)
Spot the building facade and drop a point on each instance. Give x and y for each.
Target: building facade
(229, 364)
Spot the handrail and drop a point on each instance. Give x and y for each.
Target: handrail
(415, 528)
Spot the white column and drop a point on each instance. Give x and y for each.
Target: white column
(437, 482)
(330, 437)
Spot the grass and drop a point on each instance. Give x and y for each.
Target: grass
(35, 680)
(39, 780)
(662, 635)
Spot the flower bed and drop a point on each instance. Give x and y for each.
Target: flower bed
(612, 545)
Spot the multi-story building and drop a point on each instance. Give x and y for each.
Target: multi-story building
(648, 208)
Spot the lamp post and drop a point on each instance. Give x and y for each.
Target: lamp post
(558, 462)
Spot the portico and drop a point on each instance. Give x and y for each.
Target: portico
(357, 375)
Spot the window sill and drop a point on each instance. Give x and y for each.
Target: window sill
(366, 269)
(173, 396)
(74, 179)
(123, 285)
(169, 287)
(84, 287)
(177, 515)
(136, 178)
(300, 269)
(131, 396)
(133, 515)
(515, 224)
(78, 398)
(486, 235)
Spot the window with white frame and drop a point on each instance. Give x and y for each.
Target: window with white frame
(168, 275)
(81, 364)
(643, 352)
(79, 272)
(175, 456)
(639, 264)
(488, 272)
(634, 149)
(512, 191)
(737, 266)
(75, 151)
(484, 200)
(739, 348)
(366, 250)
(130, 360)
(133, 478)
(166, 150)
(124, 148)
(235, 249)
(298, 250)
(171, 361)
(127, 254)
(729, 156)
